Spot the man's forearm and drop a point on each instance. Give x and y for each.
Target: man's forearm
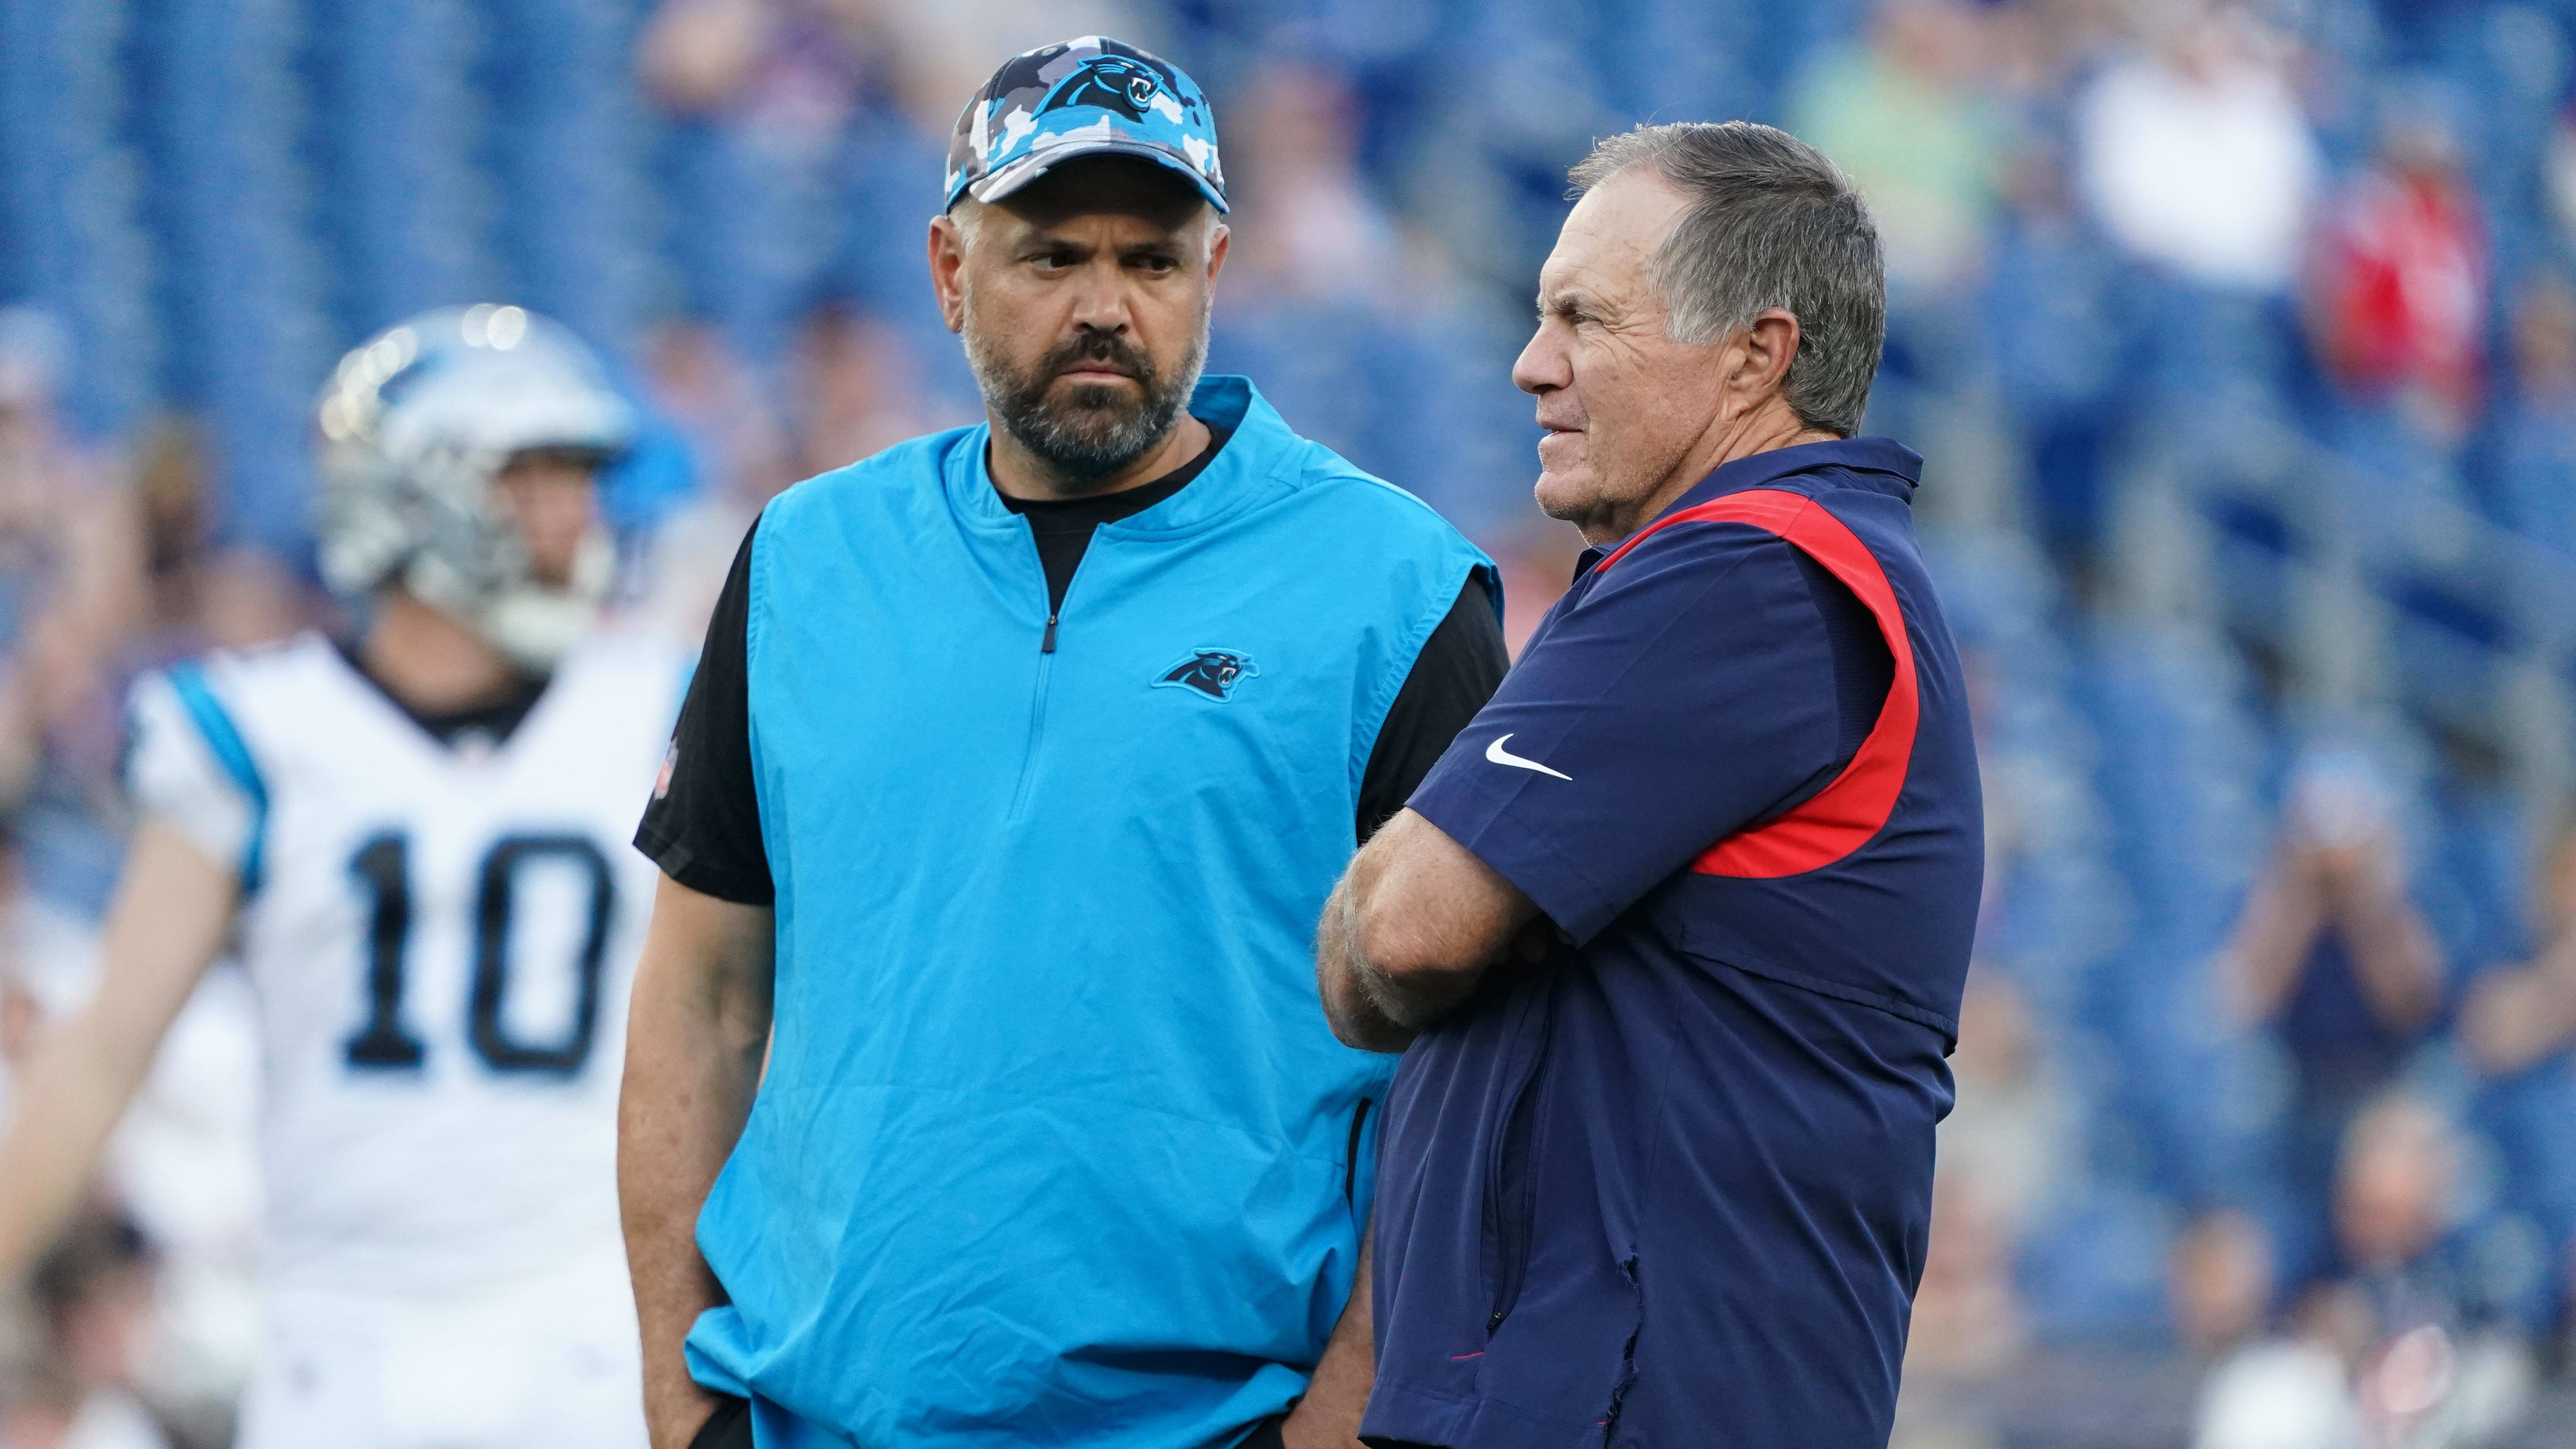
(1409, 933)
(1328, 1417)
(695, 1038)
(2394, 957)
(685, 1100)
(173, 909)
(1353, 1010)
(75, 1088)
(2261, 965)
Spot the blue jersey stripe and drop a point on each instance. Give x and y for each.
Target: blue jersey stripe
(233, 753)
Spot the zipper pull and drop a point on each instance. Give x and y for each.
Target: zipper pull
(1047, 645)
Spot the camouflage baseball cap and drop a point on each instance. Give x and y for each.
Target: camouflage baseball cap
(1085, 97)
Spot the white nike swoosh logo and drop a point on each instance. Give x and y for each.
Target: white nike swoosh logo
(1500, 756)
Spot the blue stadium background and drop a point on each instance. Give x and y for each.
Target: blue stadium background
(2195, 557)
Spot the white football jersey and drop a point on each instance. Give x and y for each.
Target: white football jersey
(442, 941)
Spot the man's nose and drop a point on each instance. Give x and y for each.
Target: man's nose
(1100, 302)
(1542, 367)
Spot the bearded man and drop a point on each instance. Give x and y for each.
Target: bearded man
(979, 1092)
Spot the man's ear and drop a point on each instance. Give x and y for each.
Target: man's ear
(1768, 347)
(1220, 240)
(947, 270)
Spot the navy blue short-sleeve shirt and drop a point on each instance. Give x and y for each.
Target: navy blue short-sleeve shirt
(1674, 1182)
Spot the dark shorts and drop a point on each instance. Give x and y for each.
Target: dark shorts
(729, 1427)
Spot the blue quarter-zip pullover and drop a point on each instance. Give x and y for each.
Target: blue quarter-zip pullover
(1054, 1146)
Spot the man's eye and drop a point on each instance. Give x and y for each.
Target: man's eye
(1156, 265)
(1054, 261)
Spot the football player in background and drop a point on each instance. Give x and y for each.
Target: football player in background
(415, 842)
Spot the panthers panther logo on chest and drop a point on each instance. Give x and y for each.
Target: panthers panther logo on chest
(1212, 672)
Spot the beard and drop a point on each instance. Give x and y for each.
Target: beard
(1088, 433)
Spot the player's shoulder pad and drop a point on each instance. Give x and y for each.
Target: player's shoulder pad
(191, 758)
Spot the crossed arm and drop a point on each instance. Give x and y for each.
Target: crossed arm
(1411, 929)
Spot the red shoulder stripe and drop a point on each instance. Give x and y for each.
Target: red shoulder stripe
(1854, 807)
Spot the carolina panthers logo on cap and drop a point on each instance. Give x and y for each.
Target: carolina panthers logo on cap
(1111, 83)
(1082, 97)
(1212, 672)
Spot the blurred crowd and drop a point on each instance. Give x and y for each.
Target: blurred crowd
(2241, 340)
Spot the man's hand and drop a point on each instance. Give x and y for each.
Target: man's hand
(695, 1040)
(1408, 933)
(2356, 887)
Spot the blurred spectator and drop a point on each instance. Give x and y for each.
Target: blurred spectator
(2333, 956)
(2278, 1393)
(2518, 1026)
(2520, 1016)
(697, 55)
(2063, 373)
(1357, 332)
(116, 579)
(72, 592)
(2388, 1351)
(2263, 1390)
(1309, 226)
(778, 105)
(125, 580)
(2219, 1284)
(763, 96)
(2195, 153)
(1905, 116)
(2393, 1200)
(94, 1295)
(853, 393)
(947, 49)
(2010, 1140)
(2397, 299)
(2427, 1370)
(699, 380)
(2095, 216)
(2535, 468)
(2007, 1152)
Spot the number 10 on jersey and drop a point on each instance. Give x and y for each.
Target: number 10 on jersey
(382, 869)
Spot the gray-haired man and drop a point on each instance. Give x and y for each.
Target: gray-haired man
(1662, 1175)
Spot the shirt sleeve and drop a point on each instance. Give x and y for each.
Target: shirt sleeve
(1458, 669)
(172, 773)
(702, 826)
(1694, 690)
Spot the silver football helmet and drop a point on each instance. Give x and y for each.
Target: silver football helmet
(417, 423)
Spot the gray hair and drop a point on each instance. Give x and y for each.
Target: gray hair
(1771, 223)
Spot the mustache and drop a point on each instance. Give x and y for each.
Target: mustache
(1097, 351)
